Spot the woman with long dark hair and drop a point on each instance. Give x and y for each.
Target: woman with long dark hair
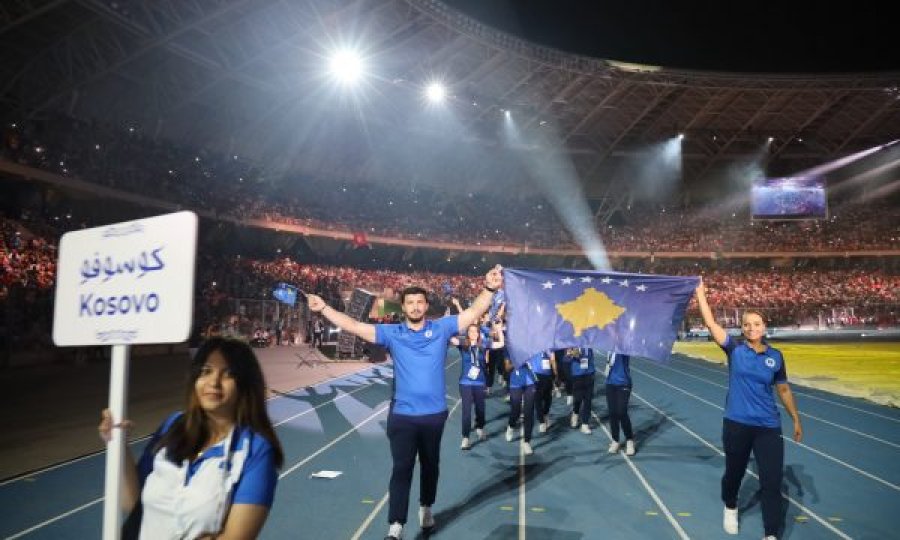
(211, 470)
(471, 382)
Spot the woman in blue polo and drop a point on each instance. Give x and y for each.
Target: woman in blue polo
(471, 382)
(211, 470)
(752, 422)
(521, 400)
(581, 374)
(618, 393)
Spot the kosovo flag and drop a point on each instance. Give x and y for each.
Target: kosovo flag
(635, 314)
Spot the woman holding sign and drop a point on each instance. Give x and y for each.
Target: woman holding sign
(209, 471)
(471, 382)
(752, 422)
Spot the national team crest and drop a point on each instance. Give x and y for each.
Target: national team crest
(770, 362)
(428, 334)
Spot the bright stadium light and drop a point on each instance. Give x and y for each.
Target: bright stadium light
(346, 66)
(435, 92)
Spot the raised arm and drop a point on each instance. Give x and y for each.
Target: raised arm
(492, 281)
(718, 333)
(346, 323)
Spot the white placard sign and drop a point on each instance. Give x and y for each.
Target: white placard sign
(126, 283)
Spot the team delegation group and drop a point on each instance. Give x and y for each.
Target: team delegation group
(210, 471)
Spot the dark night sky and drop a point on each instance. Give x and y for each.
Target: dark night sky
(728, 35)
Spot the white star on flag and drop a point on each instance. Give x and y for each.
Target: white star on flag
(606, 280)
(641, 288)
(567, 281)
(548, 285)
(587, 279)
(624, 283)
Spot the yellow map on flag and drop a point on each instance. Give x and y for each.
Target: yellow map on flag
(592, 308)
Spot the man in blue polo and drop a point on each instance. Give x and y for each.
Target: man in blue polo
(418, 412)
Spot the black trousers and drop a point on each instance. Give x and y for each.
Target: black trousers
(496, 358)
(617, 400)
(565, 376)
(410, 436)
(516, 398)
(582, 394)
(768, 450)
(543, 395)
(471, 395)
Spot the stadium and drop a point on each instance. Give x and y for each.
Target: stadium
(351, 149)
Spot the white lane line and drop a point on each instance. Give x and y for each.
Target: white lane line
(656, 498)
(138, 440)
(790, 499)
(324, 403)
(368, 521)
(333, 442)
(780, 406)
(790, 440)
(53, 520)
(341, 437)
(84, 506)
(805, 394)
(523, 517)
(63, 464)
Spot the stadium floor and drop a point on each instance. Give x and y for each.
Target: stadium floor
(843, 481)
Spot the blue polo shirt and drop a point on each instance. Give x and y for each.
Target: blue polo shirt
(619, 370)
(751, 375)
(258, 477)
(472, 361)
(540, 363)
(583, 364)
(419, 384)
(521, 377)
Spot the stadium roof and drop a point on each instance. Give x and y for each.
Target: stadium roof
(246, 77)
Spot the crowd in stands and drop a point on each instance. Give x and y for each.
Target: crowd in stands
(794, 294)
(27, 261)
(123, 157)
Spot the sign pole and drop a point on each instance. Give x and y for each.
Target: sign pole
(116, 447)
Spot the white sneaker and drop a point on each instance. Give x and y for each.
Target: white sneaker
(526, 448)
(481, 434)
(613, 447)
(509, 434)
(569, 400)
(487, 391)
(730, 520)
(573, 421)
(770, 537)
(426, 520)
(556, 393)
(586, 429)
(465, 444)
(506, 398)
(395, 532)
(542, 427)
(629, 447)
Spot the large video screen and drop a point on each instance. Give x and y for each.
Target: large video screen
(794, 197)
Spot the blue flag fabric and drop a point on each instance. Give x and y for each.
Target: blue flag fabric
(286, 294)
(636, 314)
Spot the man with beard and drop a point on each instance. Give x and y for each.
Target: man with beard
(418, 410)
